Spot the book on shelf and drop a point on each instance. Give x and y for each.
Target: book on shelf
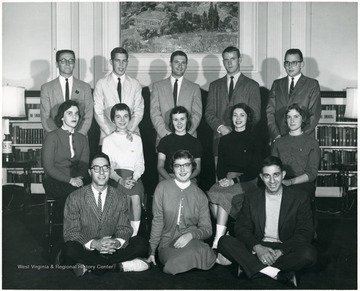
(336, 136)
(330, 158)
(30, 154)
(336, 180)
(17, 176)
(27, 135)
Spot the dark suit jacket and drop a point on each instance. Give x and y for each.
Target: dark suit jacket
(218, 106)
(162, 103)
(295, 219)
(81, 218)
(306, 93)
(52, 97)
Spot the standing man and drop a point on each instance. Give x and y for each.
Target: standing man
(64, 88)
(274, 229)
(225, 92)
(117, 87)
(175, 91)
(294, 88)
(97, 231)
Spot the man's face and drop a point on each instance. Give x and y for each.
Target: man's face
(231, 63)
(272, 176)
(119, 64)
(66, 64)
(291, 69)
(178, 66)
(99, 175)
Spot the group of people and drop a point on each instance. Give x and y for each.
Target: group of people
(101, 197)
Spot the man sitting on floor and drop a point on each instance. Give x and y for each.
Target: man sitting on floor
(97, 230)
(273, 231)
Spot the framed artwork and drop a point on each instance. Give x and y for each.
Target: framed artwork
(194, 27)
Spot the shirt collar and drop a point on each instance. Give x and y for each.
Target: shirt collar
(96, 192)
(296, 78)
(115, 77)
(68, 131)
(63, 78)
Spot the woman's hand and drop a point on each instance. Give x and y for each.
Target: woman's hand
(77, 182)
(225, 182)
(128, 182)
(151, 259)
(287, 182)
(183, 240)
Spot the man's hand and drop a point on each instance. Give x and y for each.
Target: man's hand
(266, 255)
(183, 240)
(224, 130)
(105, 245)
(226, 182)
(151, 259)
(287, 182)
(77, 182)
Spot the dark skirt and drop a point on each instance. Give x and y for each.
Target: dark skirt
(138, 189)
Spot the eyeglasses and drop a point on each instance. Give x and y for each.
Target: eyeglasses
(97, 168)
(186, 166)
(293, 64)
(65, 61)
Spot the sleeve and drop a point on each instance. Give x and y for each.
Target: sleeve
(155, 113)
(45, 107)
(196, 110)
(270, 113)
(84, 158)
(313, 162)
(106, 149)
(220, 169)
(255, 101)
(275, 148)
(138, 110)
(314, 108)
(48, 158)
(89, 110)
(139, 166)
(123, 226)
(161, 148)
(210, 111)
(158, 218)
(99, 107)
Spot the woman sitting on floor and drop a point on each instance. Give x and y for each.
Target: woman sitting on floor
(65, 155)
(179, 124)
(125, 151)
(181, 221)
(237, 169)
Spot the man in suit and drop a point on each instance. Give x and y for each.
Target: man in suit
(274, 229)
(63, 88)
(227, 91)
(175, 91)
(97, 231)
(118, 87)
(294, 88)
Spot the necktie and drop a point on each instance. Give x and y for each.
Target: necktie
(100, 205)
(67, 90)
(119, 89)
(175, 91)
(291, 87)
(231, 88)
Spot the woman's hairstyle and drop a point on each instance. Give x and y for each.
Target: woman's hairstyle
(62, 108)
(248, 112)
(119, 107)
(182, 154)
(302, 111)
(177, 110)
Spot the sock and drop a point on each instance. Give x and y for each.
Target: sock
(135, 225)
(220, 231)
(270, 271)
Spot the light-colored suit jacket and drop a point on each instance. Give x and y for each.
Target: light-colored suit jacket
(82, 221)
(52, 97)
(218, 106)
(106, 96)
(162, 102)
(306, 94)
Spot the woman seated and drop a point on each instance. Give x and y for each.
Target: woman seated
(179, 124)
(65, 156)
(299, 152)
(239, 157)
(181, 220)
(125, 151)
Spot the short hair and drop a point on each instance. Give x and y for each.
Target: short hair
(177, 110)
(294, 51)
(118, 50)
(99, 155)
(60, 52)
(271, 161)
(62, 108)
(182, 154)
(119, 107)
(248, 111)
(302, 111)
(178, 53)
(231, 49)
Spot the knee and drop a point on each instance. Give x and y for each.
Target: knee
(309, 256)
(225, 243)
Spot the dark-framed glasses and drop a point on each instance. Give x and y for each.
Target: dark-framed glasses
(97, 168)
(65, 61)
(186, 166)
(293, 63)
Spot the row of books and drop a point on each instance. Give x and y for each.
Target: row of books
(30, 154)
(336, 136)
(331, 158)
(27, 135)
(340, 111)
(17, 176)
(336, 180)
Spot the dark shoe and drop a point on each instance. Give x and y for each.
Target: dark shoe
(288, 278)
(79, 270)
